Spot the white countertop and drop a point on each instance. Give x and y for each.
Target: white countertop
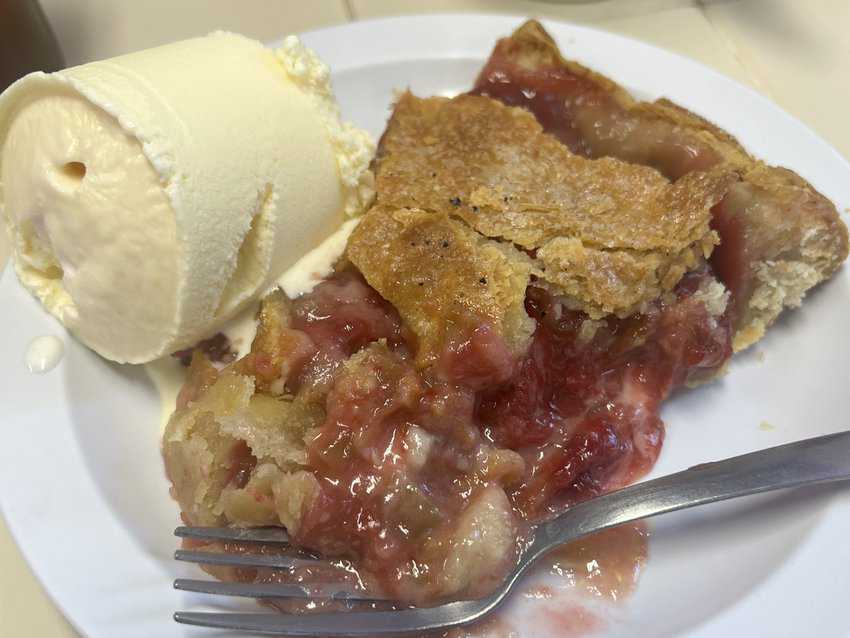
(794, 52)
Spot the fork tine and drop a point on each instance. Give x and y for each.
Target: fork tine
(354, 623)
(273, 624)
(274, 561)
(275, 535)
(272, 590)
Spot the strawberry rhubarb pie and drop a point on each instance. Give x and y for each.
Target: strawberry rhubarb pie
(545, 261)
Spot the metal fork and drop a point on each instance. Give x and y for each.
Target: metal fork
(817, 460)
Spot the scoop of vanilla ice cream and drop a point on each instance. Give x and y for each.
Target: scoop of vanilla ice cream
(150, 197)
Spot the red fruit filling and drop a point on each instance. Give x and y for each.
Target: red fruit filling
(574, 417)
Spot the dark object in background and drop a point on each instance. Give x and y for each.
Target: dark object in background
(217, 349)
(26, 41)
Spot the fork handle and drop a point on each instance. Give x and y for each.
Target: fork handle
(818, 460)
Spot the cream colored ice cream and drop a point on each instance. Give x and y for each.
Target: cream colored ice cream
(152, 196)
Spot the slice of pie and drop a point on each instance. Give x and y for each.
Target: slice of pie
(498, 339)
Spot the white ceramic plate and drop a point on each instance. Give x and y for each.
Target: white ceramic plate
(81, 479)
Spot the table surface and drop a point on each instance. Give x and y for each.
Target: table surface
(793, 52)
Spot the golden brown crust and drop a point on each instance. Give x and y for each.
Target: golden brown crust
(609, 234)
(795, 237)
(437, 272)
